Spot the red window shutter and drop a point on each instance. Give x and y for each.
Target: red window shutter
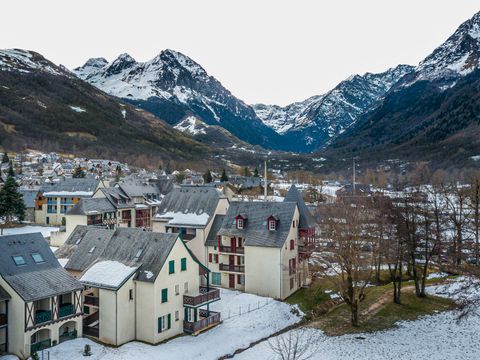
(215, 257)
(210, 257)
(238, 260)
(292, 244)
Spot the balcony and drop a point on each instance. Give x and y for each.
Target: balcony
(205, 296)
(91, 300)
(65, 310)
(43, 316)
(203, 324)
(232, 268)
(3, 320)
(67, 336)
(230, 250)
(41, 345)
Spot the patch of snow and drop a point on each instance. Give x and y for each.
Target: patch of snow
(68, 193)
(179, 218)
(77, 109)
(107, 273)
(29, 229)
(192, 125)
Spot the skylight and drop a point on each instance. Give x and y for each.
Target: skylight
(38, 258)
(91, 250)
(19, 260)
(139, 253)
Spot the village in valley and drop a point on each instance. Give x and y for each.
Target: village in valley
(102, 259)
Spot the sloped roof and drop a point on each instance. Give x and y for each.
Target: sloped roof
(120, 245)
(70, 185)
(307, 220)
(212, 234)
(192, 200)
(135, 188)
(90, 206)
(255, 231)
(29, 197)
(33, 281)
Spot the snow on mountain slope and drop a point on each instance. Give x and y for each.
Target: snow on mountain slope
(192, 125)
(319, 118)
(173, 86)
(27, 61)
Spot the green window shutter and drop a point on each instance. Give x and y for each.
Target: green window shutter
(185, 314)
(160, 324)
(171, 266)
(169, 318)
(184, 264)
(164, 295)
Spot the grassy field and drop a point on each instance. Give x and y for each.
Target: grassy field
(377, 311)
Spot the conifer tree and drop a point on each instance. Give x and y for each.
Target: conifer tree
(11, 201)
(78, 173)
(207, 177)
(224, 176)
(246, 172)
(5, 158)
(10, 170)
(255, 173)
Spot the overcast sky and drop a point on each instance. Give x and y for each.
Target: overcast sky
(269, 51)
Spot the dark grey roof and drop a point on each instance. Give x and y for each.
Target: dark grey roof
(4, 295)
(71, 185)
(191, 199)
(255, 231)
(135, 188)
(29, 197)
(212, 234)
(115, 194)
(307, 220)
(120, 245)
(33, 281)
(89, 206)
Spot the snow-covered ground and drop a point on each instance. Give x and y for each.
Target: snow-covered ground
(436, 337)
(28, 229)
(266, 317)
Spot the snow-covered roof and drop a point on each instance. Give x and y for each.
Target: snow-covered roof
(178, 218)
(108, 274)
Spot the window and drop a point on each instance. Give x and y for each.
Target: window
(171, 266)
(185, 288)
(91, 250)
(19, 260)
(216, 278)
(293, 223)
(292, 283)
(239, 223)
(210, 257)
(38, 258)
(183, 264)
(241, 279)
(177, 315)
(177, 289)
(271, 224)
(130, 294)
(292, 244)
(164, 323)
(139, 253)
(164, 295)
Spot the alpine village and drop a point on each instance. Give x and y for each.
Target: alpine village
(148, 213)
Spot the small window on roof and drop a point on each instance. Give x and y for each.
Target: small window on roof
(139, 253)
(91, 250)
(38, 258)
(19, 260)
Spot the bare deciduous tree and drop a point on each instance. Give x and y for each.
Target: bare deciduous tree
(299, 344)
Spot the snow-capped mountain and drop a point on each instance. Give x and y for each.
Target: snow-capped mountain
(319, 118)
(173, 86)
(458, 56)
(27, 61)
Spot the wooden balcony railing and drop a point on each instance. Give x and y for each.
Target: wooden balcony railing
(204, 297)
(43, 316)
(202, 324)
(65, 310)
(41, 345)
(91, 300)
(232, 268)
(230, 250)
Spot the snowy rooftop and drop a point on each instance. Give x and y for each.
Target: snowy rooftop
(110, 274)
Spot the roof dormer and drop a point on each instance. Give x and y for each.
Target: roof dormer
(272, 222)
(240, 221)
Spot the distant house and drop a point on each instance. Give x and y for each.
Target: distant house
(139, 285)
(55, 198)
(349, 190)
(29, 197)
(255, 248)
(40, 303)
(189, 211)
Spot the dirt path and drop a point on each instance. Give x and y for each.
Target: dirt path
(381, 302)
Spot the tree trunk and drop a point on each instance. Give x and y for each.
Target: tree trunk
(354, 310)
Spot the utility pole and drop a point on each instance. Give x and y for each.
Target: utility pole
(353, 177)
(265, 182)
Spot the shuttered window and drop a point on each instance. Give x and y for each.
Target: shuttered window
(183, 264)
(171, 266)
(164, 295)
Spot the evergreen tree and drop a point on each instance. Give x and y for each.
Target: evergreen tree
(255, 173)
(10, 170)
(11, 201)
(168, 168)
(5, 158)
(78, 173)
(118, 173)
(246, 172)
(207, 177)
(224, 176)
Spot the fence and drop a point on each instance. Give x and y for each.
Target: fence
(242, 310)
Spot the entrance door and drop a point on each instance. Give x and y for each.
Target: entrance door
(231, 281)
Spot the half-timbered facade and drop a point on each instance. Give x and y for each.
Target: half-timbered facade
(45, 305)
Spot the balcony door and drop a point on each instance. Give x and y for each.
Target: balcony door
(231, 281)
